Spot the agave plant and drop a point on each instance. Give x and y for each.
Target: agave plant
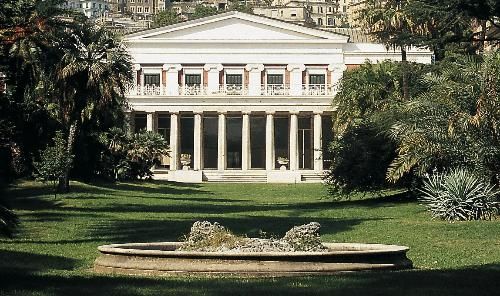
(459, 195)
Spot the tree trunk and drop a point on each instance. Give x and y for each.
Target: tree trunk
(64, 180)
(404, 69)
(482, 38)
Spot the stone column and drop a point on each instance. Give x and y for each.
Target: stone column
(296, 78)
(172, 87)
(317, 145)
(254, 79)
(221, 157)
(174, 141)
(245, 142)
(150, 122)
(294, 131)
(197, 141)
(213, 77)
(270, 141)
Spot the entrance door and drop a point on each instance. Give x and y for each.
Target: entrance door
(305, 143)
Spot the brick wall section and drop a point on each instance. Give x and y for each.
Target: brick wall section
(352, 66)
(181, 77)
(205, 77)
(246, 77)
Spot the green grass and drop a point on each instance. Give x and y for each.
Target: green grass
(57, 242)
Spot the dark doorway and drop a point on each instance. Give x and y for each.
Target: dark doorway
(187, 136)
(257, 142)
(210, 142)
(233, 141)
(281, 139)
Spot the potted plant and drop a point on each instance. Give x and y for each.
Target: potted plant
(185, 161)
(283, 161)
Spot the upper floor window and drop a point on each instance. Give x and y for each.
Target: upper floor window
(317, 79)
(192, 79)
(152, 79)
(234, 79)
(274, 78)
(146, 9)
(139, 9)
(132, 1)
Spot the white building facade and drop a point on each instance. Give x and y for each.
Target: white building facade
(242, 97)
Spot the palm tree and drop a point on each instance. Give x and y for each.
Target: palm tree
(391, 23)
(456, 123)
(92, 75)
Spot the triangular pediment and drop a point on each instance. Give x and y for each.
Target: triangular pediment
(236, 26)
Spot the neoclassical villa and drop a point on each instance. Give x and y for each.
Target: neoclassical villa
(241, 97)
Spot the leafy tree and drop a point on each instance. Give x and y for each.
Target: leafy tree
(54, 162)
(364, 104)
(165, 18)
(202, 10)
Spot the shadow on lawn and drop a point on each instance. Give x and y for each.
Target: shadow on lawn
(15, 261)
(475, 280)
(161, 187)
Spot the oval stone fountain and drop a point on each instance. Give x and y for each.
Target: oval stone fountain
(164, 259)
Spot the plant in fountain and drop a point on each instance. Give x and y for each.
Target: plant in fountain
(208, 237)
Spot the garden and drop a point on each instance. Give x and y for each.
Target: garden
(54, 250)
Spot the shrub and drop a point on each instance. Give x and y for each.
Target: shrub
(360, 160)
(459, 195)
(130, 157)
(54, 162)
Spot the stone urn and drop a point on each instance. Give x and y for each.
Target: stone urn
(185, 161)
(283, 162)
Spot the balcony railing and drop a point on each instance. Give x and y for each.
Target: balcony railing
(234, 90)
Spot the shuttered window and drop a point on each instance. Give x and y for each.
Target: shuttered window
(193, 79)
(152, 79)
(234, 79)
(274, 79)
(317, 79)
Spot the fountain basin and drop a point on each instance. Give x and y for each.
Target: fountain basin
(164, 259)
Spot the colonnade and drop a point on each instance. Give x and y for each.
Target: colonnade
(270, 161)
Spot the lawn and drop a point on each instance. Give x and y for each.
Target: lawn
(57, 242)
